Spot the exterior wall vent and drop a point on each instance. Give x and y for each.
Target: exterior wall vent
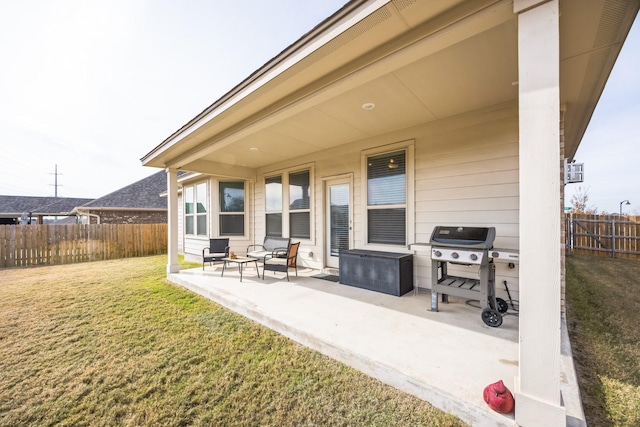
(613, 15)
(362, 27)
(403, 4)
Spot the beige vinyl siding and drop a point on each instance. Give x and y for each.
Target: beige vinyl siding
(259, 221)
(310, 251)
(469, 176)
(465, 173)
(193, 245)
(343, 162)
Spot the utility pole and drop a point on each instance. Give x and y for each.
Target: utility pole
(55, 185)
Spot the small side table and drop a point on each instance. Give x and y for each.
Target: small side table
(241, 261)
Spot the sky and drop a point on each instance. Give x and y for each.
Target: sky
(93, 86)
(610, 148)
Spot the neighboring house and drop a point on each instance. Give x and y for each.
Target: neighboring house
(392, 117)
(33, 210)
(137, 203)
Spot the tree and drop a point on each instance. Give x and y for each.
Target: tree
(579, 202)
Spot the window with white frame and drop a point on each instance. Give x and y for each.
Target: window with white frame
(387, 198)
(273, 204)
(299, 205)
(231, 214)
(294, 216)
(195, 209)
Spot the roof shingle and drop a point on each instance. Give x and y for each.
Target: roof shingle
(16, 205)
(143, 194)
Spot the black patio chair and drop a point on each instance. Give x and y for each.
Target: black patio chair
(218, 249)
(281, 260)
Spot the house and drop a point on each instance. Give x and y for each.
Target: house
(33, 210)
(143, 202)
(394, 116)
(138, 203)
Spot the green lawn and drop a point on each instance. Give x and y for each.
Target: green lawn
(603, 313)
(113, 343)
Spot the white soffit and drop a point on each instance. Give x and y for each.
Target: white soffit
(270, 73)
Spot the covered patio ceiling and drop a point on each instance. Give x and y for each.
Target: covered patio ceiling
(417, 61)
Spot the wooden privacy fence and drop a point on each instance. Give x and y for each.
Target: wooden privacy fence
(612, 236)
(29, 245)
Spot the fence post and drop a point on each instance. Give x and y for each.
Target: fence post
(613, 238)
(567, 227)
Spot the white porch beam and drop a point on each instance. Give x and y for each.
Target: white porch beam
(172, 220)
(538, 400)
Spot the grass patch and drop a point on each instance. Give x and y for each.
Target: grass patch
(113, 343)
(603, 311)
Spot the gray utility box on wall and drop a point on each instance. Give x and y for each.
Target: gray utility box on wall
(386, 272)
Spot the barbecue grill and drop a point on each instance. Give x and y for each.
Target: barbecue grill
(465, 246)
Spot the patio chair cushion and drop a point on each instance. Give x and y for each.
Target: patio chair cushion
(282, 261)
(258, 254)
(215, 255)
(277, 261)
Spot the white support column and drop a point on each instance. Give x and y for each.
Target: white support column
(538, 400)
(172, 219)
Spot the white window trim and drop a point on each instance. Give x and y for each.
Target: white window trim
(207, 205)
(409, 147)
(216, 196)
(264, 186)
(284, 173)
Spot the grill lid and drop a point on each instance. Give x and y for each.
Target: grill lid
(463, 237)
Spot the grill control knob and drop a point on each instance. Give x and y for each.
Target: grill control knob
(437, 253)
(455, 255)
(473, 257)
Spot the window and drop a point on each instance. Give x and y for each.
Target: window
(294, 215)
(299, 206)
(195, 209)
(188, 210)
(387, 198)
(273, 202)
(231, 215)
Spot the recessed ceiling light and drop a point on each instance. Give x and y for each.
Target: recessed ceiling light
(253, 149)
(368, 106)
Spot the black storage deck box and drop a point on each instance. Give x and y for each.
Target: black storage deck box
(386, 272)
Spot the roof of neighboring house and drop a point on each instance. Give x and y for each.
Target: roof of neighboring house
(14, 206)
(141, 195)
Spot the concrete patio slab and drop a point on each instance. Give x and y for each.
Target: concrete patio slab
(445, 358)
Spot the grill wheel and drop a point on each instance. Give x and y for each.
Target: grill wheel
(491, 317)
(503, 307)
